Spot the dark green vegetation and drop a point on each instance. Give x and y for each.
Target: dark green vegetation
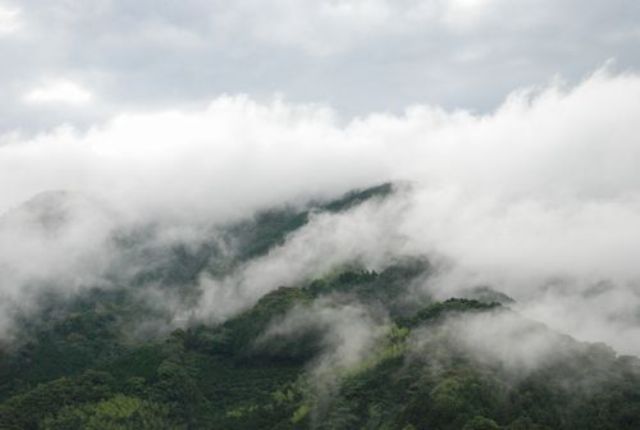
(88, 364)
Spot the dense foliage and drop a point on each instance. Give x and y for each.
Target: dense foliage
(79, 367)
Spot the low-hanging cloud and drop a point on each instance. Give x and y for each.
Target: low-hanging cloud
(540, 197)
(327, 242)
(496, 338)
(349, 333)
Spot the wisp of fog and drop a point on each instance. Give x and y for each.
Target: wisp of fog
(539, 199)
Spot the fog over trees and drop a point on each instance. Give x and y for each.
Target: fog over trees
(341, 214)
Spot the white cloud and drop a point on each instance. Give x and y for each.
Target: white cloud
(540, 197)
(9, 20)
(349, 332)
(59, 91)
(353, 237)
(495, 337)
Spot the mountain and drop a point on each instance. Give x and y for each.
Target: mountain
(355, 347)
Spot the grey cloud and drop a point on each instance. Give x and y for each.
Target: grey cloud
(358, 56)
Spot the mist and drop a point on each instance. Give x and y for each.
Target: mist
(539, 199)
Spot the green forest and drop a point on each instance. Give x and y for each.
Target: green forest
(103, 359)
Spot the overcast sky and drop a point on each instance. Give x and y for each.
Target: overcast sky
(81, 62)
(193, 112)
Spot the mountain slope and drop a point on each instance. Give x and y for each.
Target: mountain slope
(355, 348)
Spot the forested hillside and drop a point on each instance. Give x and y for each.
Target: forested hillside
(355, 347)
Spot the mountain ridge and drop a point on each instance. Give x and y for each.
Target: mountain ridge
(355, 348)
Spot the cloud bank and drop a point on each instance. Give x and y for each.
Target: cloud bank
(539, 198)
